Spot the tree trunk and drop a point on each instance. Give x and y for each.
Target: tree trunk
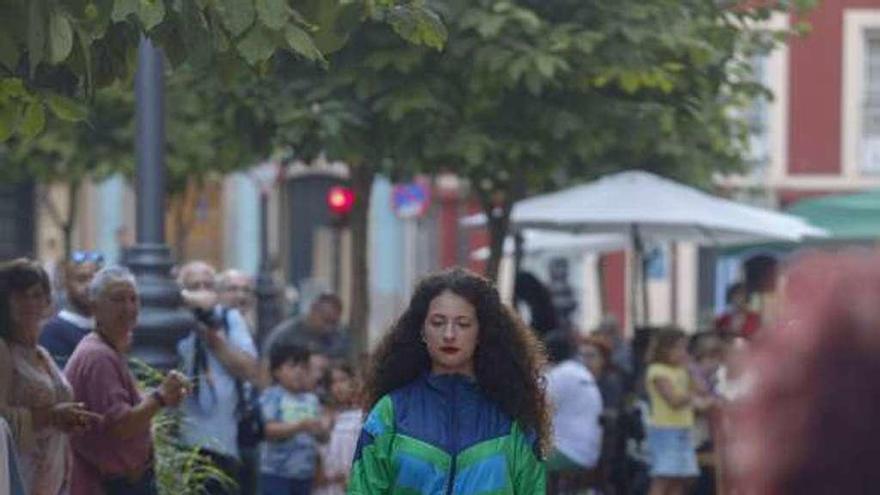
(362, 176)
(498, 223)
(72, 210)
(498, 226)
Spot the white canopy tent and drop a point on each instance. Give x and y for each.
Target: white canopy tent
(647, 207)
(536, 241)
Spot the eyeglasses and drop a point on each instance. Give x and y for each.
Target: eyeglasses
(238, 288)
(80, 257)
(200, 285)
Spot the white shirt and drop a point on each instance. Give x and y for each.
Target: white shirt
(577, 405)
(84, 322)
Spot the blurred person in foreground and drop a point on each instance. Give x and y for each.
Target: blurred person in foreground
(219, 356)
(35, 397)
(809, 424)
(455, 397)
(62, 332)
(116, 457)
(237, 291)
(10, 474)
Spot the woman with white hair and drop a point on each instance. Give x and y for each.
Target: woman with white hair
(117, 456)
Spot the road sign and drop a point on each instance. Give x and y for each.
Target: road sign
(411, 200)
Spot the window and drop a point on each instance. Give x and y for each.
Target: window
(757, 119)
(870, 162)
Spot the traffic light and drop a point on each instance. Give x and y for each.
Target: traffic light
(340, 201)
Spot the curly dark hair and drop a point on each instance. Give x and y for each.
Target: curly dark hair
(507, 362)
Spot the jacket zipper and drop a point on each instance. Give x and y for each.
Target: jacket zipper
(454, 411)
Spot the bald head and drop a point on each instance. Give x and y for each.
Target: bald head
(236, 290)
(197, 275)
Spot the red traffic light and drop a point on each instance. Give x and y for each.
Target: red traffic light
(340, 200)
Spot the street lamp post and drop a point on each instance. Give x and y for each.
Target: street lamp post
(162, 321)
(268, 311)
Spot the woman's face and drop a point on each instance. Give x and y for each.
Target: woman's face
(593, 359)
(451, 332)
(116, 313)
(28, 308)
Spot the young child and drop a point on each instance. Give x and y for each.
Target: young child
(293, 423)
(338, 453)
(672, 400)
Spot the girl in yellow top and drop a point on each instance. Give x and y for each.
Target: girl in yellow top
(672, 397)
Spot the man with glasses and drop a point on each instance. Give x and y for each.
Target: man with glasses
(219, 356)
(62, 333)
(236, 290)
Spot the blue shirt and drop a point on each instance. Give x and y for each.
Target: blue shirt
(295, 457)
(61, 334)
(209, 417)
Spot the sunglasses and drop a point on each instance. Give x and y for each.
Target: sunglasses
(80, 257)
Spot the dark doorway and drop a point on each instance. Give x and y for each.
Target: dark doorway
(17, 230)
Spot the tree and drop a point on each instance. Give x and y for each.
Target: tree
(528, 95)
(214, 92)
(545, 92)
(367, 110)
(54, 54)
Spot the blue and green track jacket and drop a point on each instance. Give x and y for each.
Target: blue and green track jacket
(439, 435)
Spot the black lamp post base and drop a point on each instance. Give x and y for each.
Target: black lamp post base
(163, 321)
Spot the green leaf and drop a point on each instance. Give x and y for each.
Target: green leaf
(33, 121)
(60, 38)
(418, 25)
(9, 112)
(151, 13)
(629, 81)
(12, 87)
(299, 41)
(236, 15)
(273, 13)
(546, 65)
(36, 34)
(196, 38)
(66, 108)
(257, 45)
(124, 8)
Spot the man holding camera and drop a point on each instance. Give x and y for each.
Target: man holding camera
(219, 356)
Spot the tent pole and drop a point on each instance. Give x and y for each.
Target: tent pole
(518, 251)
(635, 274)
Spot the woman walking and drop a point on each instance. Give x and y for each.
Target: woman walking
(456, 400)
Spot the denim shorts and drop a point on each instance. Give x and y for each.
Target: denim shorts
(672, 453)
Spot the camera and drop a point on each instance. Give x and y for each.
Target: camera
(202, 305)
(207, 317)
